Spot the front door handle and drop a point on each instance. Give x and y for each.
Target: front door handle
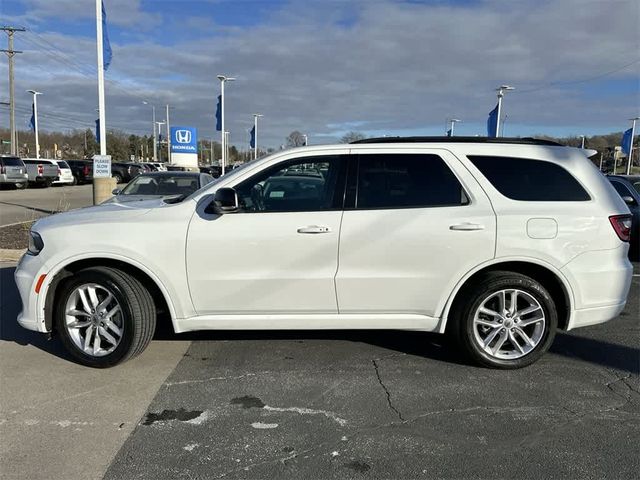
(466, 227)
(314, 229)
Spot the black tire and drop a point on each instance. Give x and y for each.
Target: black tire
(462, 327)
(118, 178)
(138, 315)
(75, 181)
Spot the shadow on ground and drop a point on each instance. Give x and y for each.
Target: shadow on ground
(427, 345)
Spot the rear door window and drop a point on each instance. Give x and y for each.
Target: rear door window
(11, 162)
(530, 180)
(406, 181)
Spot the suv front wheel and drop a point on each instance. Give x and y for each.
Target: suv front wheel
(104, 316)
(507, 321)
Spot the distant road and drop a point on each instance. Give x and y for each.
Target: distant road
(33, 203)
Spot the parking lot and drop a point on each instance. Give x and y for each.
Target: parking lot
(319, 405)
(33, 203)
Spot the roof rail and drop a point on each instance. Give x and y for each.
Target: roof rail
(519, 141)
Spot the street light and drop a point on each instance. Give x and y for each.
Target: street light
(633, 132)
(306, 139)
(452, 122)
(153, 127)
(255, 134)
(582, 143)
(35, 118)
(223, 79)
(159, 124)
(501, 90)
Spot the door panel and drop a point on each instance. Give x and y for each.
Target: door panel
(407, 260)
(259, 263)
(279, 254)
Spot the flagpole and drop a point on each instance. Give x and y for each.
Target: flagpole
(255, 137)
(633, 132)
(501, 91)
(223, 79)
(101, 113)
(35, 119)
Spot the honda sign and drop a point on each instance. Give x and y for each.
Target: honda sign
(184, 140)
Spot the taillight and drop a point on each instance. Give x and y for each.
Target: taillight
(86, 170)
(59, 172)
(40, 170)
(622, 225)
(2, 169)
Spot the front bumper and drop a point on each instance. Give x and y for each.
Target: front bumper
(26, 276)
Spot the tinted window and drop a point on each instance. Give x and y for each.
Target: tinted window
(531, 180)
(11, 162)
(622, 190)
(161, 185)
(32, 162)
(406, 180)
(307, 184)
(63, 164)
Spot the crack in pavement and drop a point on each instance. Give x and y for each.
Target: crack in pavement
(386, 391)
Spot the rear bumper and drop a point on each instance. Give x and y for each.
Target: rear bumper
(13, 179)
(600, 281)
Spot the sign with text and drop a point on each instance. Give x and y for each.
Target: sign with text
(101, 166)
(184, 140)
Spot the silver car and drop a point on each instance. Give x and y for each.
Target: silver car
(160, 185)
(13, 171)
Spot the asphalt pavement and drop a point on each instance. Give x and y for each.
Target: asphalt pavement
(36, 202)
(316, 405)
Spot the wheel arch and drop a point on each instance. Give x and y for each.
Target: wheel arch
(149, 280)
(550, 277)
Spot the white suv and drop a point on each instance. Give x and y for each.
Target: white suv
(496, 242)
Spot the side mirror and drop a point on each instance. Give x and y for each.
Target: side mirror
(224, 201)
(629, 200)
(115, 191)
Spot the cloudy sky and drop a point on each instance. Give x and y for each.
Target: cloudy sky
(326, 67)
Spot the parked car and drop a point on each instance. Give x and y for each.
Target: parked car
(82, 171)
(41, 172)
(628, 186)
(122, 172)
(152, 185)
(13, 172)
(65, 175)
(176, 168)
(496, 242)
(161, 167)
(212, 170)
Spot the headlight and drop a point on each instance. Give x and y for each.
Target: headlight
(35, 243)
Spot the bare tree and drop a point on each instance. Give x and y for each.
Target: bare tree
(352, 137)
(295, 139)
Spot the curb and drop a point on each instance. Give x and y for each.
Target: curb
(11, 255)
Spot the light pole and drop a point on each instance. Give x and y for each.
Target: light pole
(155, 148)
(35, 118)
(306, 139)
(633, 132)
(226, 148)
(223, 79)
(452, 122)
(255, 134)
(501, 90)
(153, 129)
(582, 142)
(168, 137)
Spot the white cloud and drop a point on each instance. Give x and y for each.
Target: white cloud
(390, 66)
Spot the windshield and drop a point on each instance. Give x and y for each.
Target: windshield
(162, 185)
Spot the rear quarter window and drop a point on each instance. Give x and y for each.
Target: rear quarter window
(530, 180)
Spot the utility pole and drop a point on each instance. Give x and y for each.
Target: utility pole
(12, 100)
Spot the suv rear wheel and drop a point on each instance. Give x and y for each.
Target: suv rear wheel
(508, 320)
(104, 316)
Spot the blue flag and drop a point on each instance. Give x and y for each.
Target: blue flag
(219, 114)
(32, 122)
(492, 123)
(106, 45)
(627, 141)
(449, 133)
(252, 140)
(98, 130)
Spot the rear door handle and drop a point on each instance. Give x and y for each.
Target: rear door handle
(314, 229)
(467, 227)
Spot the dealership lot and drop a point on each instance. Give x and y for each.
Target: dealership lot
(320, 405)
